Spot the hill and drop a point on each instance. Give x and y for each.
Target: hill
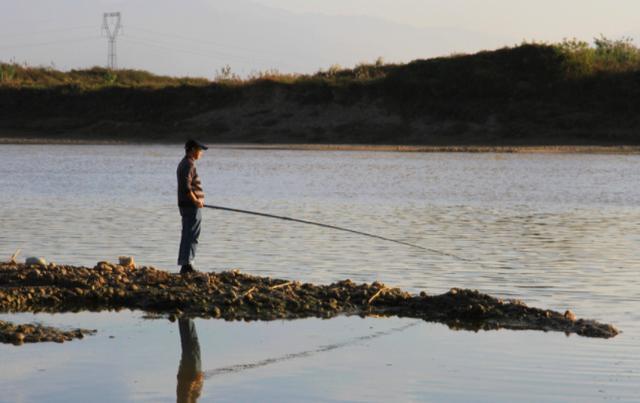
(533, 94)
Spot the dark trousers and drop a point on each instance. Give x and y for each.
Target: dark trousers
(191, 222)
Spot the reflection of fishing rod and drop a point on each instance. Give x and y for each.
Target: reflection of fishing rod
(303, 354)
(336, 228)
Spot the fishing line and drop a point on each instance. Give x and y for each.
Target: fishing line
(339, 229)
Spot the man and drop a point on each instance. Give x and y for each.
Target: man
(190, 202)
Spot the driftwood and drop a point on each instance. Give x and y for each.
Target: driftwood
(376, 295)
(246, 294)
(13, 258)
(275, 287)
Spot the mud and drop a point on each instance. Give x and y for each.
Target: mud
(35, 333)
(233, 295)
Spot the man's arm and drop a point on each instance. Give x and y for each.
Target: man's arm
(190, 193)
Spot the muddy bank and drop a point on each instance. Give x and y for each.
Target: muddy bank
(236, 296)
(35, 333)
(29, 138)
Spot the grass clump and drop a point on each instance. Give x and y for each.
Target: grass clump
(606, 56)
(17, 75)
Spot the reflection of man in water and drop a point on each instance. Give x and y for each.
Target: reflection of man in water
(190, 376)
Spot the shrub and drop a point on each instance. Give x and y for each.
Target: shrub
(607, 55)
(7, 72)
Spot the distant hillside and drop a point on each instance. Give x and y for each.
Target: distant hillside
(533, 94)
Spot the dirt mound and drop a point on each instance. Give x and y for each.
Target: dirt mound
(233, 295)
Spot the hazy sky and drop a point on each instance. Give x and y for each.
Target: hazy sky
(197, 37)
(546, 19)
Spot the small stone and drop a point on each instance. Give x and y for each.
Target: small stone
(127, 261)
(35, 261)
(570, 316)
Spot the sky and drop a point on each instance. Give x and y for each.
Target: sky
(199, 37)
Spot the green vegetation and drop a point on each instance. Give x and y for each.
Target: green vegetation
(19, 76)
(607, 56)
(534, 93)
(570, 59)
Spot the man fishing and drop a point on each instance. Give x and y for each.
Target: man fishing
(190, 203)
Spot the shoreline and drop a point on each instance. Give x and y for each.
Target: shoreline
(504, 149)
(236, 296)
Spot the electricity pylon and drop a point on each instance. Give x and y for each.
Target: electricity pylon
(111, 30)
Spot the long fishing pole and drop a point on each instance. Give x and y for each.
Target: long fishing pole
(337, 228)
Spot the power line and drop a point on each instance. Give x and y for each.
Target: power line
(211, 54)
(180, 47)
(193, 39)
(56, 42)
(39, 21)
(143, 42)
(46, 31)
(112, 28)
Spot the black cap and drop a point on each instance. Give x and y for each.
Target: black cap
(190, 144)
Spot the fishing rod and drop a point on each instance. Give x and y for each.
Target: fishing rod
(337, 228)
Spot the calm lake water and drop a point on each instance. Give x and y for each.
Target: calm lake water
(557, 231)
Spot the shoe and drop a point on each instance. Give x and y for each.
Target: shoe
(187, 268)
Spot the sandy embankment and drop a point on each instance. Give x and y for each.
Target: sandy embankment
(543, 149)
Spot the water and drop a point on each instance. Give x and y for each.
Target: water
(557, 231)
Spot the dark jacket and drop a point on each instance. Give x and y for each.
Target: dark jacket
(188, 181)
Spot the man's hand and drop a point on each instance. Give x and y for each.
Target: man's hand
(197, 202)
